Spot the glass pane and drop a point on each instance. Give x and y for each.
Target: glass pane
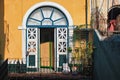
(31, 60)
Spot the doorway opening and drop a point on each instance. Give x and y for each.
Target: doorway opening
(47, 47)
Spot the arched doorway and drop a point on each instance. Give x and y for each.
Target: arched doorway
(46, 35)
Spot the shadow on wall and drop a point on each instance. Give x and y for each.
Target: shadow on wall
(2, 31)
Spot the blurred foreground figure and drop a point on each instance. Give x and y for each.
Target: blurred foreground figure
(112, 26)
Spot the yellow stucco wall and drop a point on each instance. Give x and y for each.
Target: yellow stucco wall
(12, 17)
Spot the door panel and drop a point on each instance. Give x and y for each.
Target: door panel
(61, 46)
(32, 40)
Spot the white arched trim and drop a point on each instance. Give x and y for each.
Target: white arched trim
(41, 4)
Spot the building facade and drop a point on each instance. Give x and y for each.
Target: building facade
(39, 32)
